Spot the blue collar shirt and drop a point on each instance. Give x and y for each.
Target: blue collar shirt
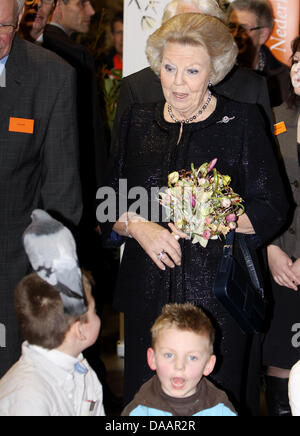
(2, 67)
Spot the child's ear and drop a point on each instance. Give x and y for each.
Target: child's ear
(78, 330)
(151, 359)
(210, 364)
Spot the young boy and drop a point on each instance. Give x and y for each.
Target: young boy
(181, 354)
(52, 378)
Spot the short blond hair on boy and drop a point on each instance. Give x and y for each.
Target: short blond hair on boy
(184, 317)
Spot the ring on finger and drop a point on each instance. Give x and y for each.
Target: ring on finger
(160, 255)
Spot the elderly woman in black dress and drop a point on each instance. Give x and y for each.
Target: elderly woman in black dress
(190, 52)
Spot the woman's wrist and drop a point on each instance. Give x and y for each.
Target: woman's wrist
(132, 220)
(272, 248)
(126, 224)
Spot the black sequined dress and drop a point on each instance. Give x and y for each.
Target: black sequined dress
(234, 134)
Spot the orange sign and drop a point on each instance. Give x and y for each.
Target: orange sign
(279, 128)
(286, 28)
(21, 125)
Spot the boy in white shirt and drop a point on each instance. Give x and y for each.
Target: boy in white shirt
(58, 323)
(52, 378)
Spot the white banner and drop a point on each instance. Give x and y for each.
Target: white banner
(286, 28)
(141, 18)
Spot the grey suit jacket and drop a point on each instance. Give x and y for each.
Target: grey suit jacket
(38, 169)
(289, 241)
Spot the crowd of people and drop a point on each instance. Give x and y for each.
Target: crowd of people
(212, 90)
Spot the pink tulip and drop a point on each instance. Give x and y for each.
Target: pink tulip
(193, 200)
(206, 234)
(231, 217)
(211, 164)
(208, 220)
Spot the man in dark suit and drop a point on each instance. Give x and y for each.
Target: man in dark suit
(72, 16)
(240, 84)
(38, 156)
(251, 23)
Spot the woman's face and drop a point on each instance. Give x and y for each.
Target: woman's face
(295, 72)
(184, 74)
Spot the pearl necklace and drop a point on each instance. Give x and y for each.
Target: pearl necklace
(189, 120)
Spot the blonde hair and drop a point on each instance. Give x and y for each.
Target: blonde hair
(197, 30)
(207, 7)
(184, 317)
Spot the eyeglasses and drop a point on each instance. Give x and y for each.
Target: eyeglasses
(242, 29)
(7, 29)
(32, 2)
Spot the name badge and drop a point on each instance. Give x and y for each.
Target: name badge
(21, 125)
(279, 128)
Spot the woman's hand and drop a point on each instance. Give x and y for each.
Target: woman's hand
(280, 266)
(159, 243)
(296, 270)
(244, 225)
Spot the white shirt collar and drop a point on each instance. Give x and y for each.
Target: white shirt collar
(60, 359)
(53, 23)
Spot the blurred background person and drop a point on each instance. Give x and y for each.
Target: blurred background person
(280, 350)
(37, 14)
(70, 17)
(114, 58)
(251, 23)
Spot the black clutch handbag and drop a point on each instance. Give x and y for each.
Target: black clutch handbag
(239, 292)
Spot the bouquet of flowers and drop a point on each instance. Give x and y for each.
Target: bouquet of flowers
(201, 203)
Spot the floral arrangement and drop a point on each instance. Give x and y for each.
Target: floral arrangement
(201, 203)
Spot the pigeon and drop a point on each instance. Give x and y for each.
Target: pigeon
(51, 250)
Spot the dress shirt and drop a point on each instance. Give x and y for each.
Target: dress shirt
(50, 383)
(2, 66)
(53, 23)
(40, 39)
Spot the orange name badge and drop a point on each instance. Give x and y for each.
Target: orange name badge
(21, 125)
(279, 128)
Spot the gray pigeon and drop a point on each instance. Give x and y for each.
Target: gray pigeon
(51, 250)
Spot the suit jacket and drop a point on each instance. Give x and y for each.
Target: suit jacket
(240, 84)
(92, 141)
(289, 241)
(36, 170)
(277, 76)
